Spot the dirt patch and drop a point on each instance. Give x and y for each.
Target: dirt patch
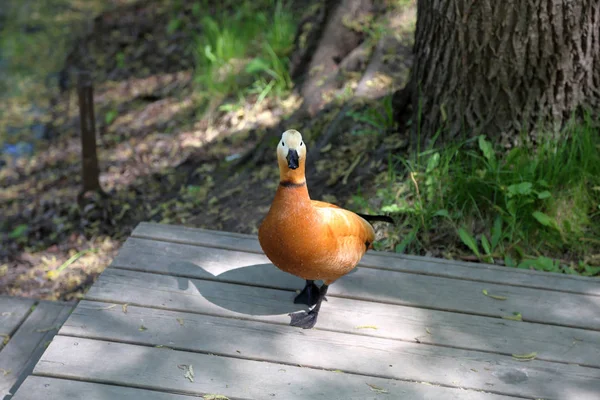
(163, 160)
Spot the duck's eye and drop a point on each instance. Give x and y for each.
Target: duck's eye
(301, 143)
(283, 144)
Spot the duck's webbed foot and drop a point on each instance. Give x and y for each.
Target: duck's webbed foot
(305, 319)
(309, 295)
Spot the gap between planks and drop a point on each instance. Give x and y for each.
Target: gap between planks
(357, 298)
(13, 313)
(67, 358)
(36, 387)
(329, 351)
(29, 342)
(82, 323)
(375, 285)
(461, 331)
(421, 340)
(383, 260)
(120, 340)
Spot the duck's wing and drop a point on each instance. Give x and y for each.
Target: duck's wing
(322, 204)
(346, 227)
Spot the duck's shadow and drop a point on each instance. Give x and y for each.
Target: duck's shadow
(258, 289)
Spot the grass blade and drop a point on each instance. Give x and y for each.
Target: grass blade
(469, 241)
(496, 232)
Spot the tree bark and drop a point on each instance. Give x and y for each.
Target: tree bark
(89, 169)
(503, 67)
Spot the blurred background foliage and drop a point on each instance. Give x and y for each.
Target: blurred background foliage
(190, 98)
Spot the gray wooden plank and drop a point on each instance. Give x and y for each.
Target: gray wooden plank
(29, 341)
(13, 311)
(39, 387)
(507, 337)
(386, 260)
(157, 368)
(535, 305)
(320, 349)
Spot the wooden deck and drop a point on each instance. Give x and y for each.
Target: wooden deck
(177, 299)
(26, 327)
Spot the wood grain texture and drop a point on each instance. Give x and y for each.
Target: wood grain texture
(39, 387)
(331, 350)
(368, 284)
(351, 316)
(150, 367)
(385, 260)
(13, 311)
(29, 342)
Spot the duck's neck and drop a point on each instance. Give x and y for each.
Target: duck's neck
(291, 177)
(292, 188)
(293, 191)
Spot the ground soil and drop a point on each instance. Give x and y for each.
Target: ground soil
(166, 158)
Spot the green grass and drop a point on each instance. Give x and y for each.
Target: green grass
(530, 208)
(245, 52)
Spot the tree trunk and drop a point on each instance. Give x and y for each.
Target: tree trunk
(90, 170)
(503, 67)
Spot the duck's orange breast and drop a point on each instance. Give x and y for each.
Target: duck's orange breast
(310, 239)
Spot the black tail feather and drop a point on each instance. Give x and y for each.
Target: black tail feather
(372, 218)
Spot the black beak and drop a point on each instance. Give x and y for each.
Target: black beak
(292, 159)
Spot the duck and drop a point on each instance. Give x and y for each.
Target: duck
(311, 239)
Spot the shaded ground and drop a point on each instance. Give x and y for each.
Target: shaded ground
(165, 157)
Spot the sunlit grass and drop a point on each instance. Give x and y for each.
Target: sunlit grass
(245, 52)
(531, 207)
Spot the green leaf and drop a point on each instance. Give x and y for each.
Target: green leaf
(75, 258)
(209, 54)
(486, 245)
(526, 264)
(525, 357)
(541, 264)
(392, 208)
(441, 213)
(257, 65)
(493, 296)
(401, 247)
(511, 207)
(523, 188)
(487, 150)
(19, 231)
(544, 195)
(433, 162)
(196, 9)
(515, 317)
(173, 25)
(110, 117)
(496, 232)
(590, 271)
(543, 183)
(545, 219)
(510, 262)
(469, 241)
(547, 264)
(377, 389)
(120, 60)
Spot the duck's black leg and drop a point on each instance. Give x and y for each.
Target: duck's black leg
(305, 319)
(309, 295)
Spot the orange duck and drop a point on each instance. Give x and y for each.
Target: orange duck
(311, 239)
